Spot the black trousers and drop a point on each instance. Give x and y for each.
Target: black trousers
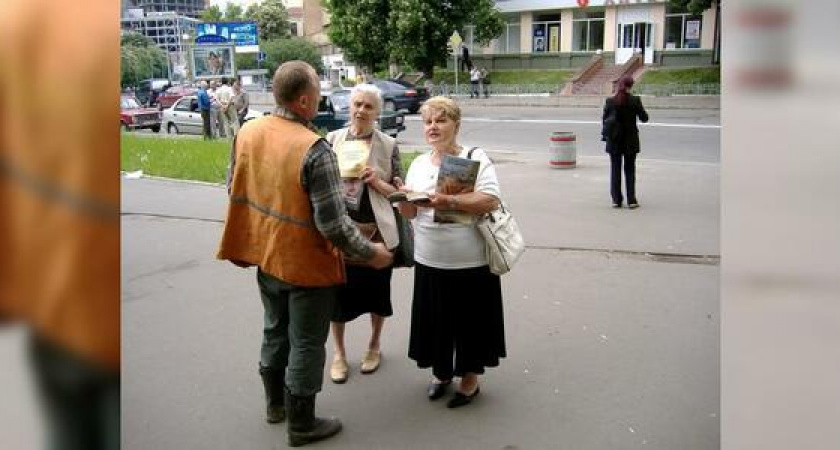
(81, 401)
(629, 161)
(205, 122)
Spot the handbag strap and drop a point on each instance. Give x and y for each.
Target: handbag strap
(501, 203)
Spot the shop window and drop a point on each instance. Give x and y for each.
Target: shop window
(546, 37)
(588, 31)
(682, 30)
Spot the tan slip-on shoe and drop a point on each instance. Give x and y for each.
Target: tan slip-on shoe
(339, 370)
(371, 361)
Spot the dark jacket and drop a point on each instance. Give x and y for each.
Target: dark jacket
(626, 114)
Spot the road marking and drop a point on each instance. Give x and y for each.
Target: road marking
(573, 122)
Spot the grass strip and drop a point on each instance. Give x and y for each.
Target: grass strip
(187, 158)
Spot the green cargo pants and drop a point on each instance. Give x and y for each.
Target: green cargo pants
(296, 326)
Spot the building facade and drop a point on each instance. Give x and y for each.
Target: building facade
(543, 34)
(170, 31)
(189, 8)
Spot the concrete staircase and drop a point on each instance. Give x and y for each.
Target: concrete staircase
(599, 82)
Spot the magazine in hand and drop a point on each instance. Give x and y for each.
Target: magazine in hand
(456, 176)
(418, 198)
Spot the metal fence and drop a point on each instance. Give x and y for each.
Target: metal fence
(542, 90)
(510, 90)
(664, 90)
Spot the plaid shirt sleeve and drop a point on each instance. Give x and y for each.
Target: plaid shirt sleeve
(320, 178)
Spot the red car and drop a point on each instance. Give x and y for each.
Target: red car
(168, 97)
(133, 116)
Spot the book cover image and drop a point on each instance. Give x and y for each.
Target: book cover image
(456, 176)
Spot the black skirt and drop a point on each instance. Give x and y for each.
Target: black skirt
(368, 290)
(456, 312)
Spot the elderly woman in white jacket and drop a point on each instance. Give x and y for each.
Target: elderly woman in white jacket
(369, 161)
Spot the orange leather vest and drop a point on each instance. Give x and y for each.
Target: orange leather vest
(269, 222)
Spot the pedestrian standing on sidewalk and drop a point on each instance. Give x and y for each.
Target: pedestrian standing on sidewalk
(206, 109)
(240, 101)
(475, 79)
(228, 111)
(368, 290)
(216, 110)
(621, 133)
(457, 321)
(485, 82)
(286, 216)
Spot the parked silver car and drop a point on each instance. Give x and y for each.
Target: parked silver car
(184, 117)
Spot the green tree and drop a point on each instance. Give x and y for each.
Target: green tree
(233, 12)
(246, 61)
(692, 6)
(140, 59)
(411, 32)
(212, 14)
(134, 39)
(272, 20)
(139, 63)
(251, 11)
(420, 29)
(278, 51)
(360, 28)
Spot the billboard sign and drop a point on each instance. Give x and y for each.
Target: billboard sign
(243, 35)
(212, 61)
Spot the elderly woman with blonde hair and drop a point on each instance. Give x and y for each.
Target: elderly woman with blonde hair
(457, 321)
(369, 162)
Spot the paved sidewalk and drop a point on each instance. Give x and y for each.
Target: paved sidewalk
(612, 326)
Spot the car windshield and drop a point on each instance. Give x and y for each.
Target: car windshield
(129, 103)
(340, 100)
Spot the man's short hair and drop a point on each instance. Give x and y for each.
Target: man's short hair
(291, 80)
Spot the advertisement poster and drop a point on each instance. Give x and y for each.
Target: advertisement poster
(692, 29)
(243, 35)
(213, 61)
(539, 38)
(554, 38)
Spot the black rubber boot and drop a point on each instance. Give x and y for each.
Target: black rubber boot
(303, 426)
(273, 382)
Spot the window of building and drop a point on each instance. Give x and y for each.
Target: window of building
(509, 41)
(682, 29)
(545, 32)
(588, 30)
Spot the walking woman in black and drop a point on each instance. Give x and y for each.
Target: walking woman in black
(622, 136)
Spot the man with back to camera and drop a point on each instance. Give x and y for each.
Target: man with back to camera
(287, 217)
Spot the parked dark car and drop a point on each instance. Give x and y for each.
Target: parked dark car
(148, 90)
(422, 92)
(334, 113)
(134, 116)
(398, 97)
(168, 97)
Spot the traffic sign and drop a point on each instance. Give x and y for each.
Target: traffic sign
(261, 56)
(455, 39)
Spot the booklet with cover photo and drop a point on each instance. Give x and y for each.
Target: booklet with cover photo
(456, 176)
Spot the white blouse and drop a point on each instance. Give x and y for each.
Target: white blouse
(448, 245)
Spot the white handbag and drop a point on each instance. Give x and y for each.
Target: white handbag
(504, 241)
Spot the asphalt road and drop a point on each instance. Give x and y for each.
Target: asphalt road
(673, 135)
